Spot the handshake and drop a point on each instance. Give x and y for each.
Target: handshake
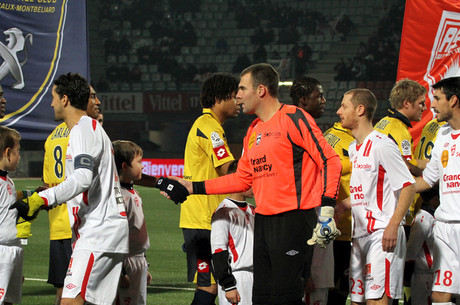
(172, 189)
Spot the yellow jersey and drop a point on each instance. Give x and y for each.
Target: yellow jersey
(53, 174)
(340, 138)
(206, 150)
(427, 138)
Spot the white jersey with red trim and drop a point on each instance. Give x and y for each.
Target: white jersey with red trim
(420, 243)
(377, 177)
(233, 231)
(138, 237)
(7, 217)
(444, 167)
(92, 191)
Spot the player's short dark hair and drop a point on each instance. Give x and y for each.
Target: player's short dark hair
(449, 86)
(9, 138)
(263, 74)
(405, 89)
(218, 87)
(76, 88)
(303, 86)
(366, 98)
(125, 151)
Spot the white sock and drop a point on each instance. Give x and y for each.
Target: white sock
(444, 303)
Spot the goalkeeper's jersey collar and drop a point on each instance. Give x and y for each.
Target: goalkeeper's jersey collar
(393, 113)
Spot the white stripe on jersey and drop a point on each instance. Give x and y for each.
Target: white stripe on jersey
(377, 177)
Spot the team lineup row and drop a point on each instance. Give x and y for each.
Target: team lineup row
(261, 255)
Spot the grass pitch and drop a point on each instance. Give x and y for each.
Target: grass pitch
(166, 258)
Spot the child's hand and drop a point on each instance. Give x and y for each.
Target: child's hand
(149, 278)
(124, 281)
(233, 296)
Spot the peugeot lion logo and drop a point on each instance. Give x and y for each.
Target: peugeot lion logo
(16, 43)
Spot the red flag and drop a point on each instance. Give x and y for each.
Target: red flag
(430, 47)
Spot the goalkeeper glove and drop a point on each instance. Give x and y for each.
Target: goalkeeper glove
(326, 230)
(28, 208)
(23, 228)
(176, 191)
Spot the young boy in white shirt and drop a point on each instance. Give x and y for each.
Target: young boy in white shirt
(11, 253)
(232, 243)
(135, 276)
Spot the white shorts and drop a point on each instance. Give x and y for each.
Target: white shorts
(244, 281)
(136, 269)
(11, 274)
(374, 272)
(93, 275)
(446, 255)
(420, 286)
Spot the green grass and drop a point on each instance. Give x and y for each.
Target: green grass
(166, 258)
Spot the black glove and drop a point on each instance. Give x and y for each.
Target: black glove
(176, 191)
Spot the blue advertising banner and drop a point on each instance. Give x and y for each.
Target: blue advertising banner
(39, 40)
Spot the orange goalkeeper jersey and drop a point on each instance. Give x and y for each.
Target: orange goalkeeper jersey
(288, 163)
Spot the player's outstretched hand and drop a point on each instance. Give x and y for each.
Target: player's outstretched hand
(173, 189)
(325, 230)
(29, 207)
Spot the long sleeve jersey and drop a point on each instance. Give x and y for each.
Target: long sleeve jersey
(288, 163)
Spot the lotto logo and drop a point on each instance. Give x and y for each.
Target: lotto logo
(70, 286)
(203, 266)
(221, 152)
(2, 293)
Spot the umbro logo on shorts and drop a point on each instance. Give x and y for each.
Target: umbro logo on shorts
(70, 286)
(375, 287)
(292, 252)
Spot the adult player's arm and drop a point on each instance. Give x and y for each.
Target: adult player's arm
(390, 235)
(223, 169)
(421, 185)
(75, 184)
(312, 140)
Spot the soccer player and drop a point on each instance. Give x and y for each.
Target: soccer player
(407, 101)
(292, 170)
(207, 156)
(11, 253)
(135, 275)
(2, 103)
(232, 242)
(444, 168)
(340, 139)
(53, 174)
(381, 190)
(92, 192)
(307, 93)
